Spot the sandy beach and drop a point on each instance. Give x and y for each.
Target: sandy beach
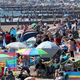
(8, 27)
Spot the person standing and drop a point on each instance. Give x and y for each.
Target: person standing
(1, 40)
(13, 39)
(7, 38)
(58, 40)
(71, 46)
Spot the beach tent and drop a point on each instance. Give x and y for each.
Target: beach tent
(50, 47)
(11, 64)
(13, 31)
(27, 35)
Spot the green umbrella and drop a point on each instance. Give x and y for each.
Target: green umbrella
(4, 57)
(34, 24)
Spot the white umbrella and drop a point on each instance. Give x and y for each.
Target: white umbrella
(50, 47)
(16, 45)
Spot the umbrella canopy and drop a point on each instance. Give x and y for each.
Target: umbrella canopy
(32, 52)
(4, 57)
(20, 32)
(54, 27)
(34, 24)
(16, 45)
(30, 42)
(27, 35)
(50, 47)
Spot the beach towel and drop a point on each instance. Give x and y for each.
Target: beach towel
(73, 75)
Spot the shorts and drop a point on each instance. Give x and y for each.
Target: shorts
(40, 71)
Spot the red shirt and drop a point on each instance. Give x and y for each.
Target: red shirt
(7, 38)
(58, 41)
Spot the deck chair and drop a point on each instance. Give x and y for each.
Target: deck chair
(50, 70)
(73, 75)
(31, 63)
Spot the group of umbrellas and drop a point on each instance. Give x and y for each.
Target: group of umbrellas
(46, 47)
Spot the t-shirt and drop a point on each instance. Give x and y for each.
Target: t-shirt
(7, 38)
(13, 39)
(58, 41)
(38, 66)
(56, 65)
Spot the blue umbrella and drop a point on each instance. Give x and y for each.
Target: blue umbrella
(27, 35)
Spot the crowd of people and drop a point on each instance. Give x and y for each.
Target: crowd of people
(67, 33)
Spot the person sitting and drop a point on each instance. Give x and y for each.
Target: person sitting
(68, 66)
(40, 68)
(58, 40)
(60, 76)
(25, 72)
(10, 76)
(64, 58)
(56, 66)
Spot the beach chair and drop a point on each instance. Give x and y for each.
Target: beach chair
(50, 70)
(31, 63)
(73, 75)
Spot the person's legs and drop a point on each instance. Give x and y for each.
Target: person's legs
(56, 73)
(42, 73)
(72, 53)
(37, 73)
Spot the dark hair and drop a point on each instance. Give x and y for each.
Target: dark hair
(75, 69)
(61, 73)
(78, 69)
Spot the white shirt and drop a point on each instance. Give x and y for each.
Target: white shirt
(61, 33)
(73, 26)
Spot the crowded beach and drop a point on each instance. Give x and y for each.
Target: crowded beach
(29, 52)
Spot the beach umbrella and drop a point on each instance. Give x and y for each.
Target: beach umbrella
(4, 57)
(16, 45)
(32, 52)
(54, 27)
(27, 35)
(30, 42)
(20, 32)
(50, 47)
(34, 24)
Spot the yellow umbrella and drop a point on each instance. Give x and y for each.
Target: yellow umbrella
(21, 50)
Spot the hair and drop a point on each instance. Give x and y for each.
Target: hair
(78, 69)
